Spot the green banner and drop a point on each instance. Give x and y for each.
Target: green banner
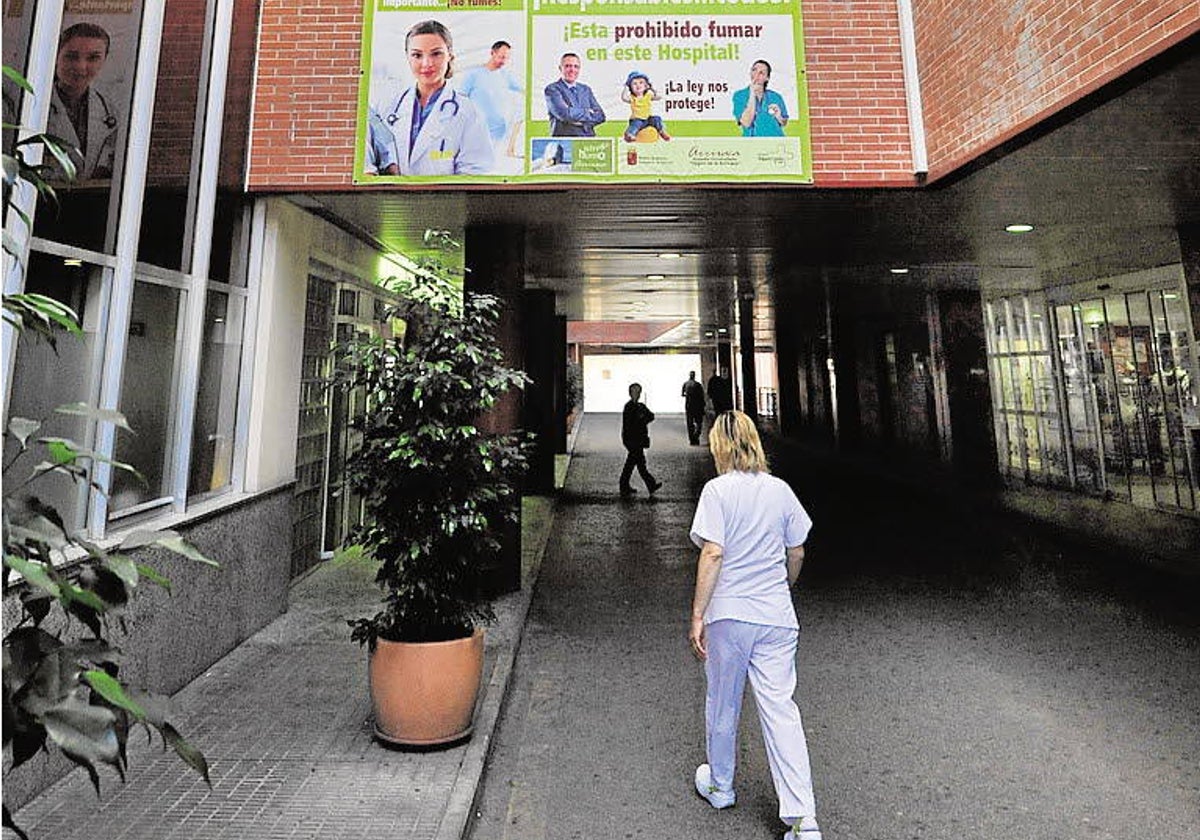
(592, 91)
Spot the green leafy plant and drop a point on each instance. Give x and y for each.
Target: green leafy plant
(44, 315)
(61, 681)
(438, 490)
(574, 386)
(62, 684)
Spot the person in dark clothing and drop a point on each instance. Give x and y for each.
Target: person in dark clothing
(720, 391)
(635, 436)
(693, 406)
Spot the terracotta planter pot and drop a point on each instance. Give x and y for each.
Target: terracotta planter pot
(424, 692)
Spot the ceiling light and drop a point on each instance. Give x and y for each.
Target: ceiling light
(900, 270)
(708, 334)
(722, 331)
(656, 277)
(73, 263)
(1018, 228)
(669, 255)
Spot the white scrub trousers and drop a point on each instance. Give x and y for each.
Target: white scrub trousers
(768, 655)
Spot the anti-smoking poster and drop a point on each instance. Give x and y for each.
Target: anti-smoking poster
(507, 91)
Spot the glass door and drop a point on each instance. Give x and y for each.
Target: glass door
(1081, 362)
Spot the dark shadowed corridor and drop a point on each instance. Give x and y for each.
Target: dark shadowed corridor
(960, 675)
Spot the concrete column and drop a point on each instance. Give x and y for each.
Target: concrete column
(746, 348)
(495, 262)
(724, 357)
(561, 409)
(542, 354)
(787, 353)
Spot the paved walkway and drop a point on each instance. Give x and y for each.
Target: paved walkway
(284, 723)
(961, 677)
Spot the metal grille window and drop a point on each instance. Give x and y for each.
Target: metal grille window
(312, 440)
(1127, 377)
(1029, 430)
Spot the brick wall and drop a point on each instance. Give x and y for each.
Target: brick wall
(307, 94)
(991, 70)
(309, 54)
(856, 93)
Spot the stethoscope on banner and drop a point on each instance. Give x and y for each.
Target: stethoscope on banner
(451, 101)
(109, 121)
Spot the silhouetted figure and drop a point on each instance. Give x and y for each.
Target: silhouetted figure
(720, 391)
(693, 406)
(635, 436)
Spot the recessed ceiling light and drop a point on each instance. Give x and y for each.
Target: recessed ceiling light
(73, 263)
(656, 277)
(1018, 228)
(722, 331)
(669, 255)
(899, 270)
(708, 334)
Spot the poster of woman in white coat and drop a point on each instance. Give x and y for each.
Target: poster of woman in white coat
(429, 127)
(86, 120)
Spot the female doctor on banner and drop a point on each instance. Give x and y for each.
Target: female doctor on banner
(79, 114)
(435, 129)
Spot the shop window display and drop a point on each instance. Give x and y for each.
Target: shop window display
(1126, 363)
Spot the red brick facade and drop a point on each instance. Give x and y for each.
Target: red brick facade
(992, 70)
(306, 95)
(988, 70)
(856, 94)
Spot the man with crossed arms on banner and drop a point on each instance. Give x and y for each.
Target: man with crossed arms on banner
(574, 111)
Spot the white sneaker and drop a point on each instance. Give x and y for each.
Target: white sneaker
(804, 828)
(716, 797)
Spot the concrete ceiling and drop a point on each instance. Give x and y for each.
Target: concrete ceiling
(1106, 183)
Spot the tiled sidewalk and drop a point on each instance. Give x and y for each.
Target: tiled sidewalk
(284, 723)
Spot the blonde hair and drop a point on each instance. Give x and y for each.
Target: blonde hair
(735, 445)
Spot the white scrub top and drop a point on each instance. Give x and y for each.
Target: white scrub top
(755, 518)
(453, 141)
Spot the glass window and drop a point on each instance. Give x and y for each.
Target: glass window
(998, 318)
(89, 109)
(216, 398)
(1035, 307)
(18, 24)
(148, 388)
(1018, 322)
(44, 378)
(229, 240)
(1029, 430)
(165, 206)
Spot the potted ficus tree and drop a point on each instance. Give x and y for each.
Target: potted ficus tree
(438, 493)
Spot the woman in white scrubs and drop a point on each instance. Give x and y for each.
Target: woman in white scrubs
(750, 529)
(435, 129)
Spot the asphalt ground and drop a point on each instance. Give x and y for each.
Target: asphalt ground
(962, 675)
